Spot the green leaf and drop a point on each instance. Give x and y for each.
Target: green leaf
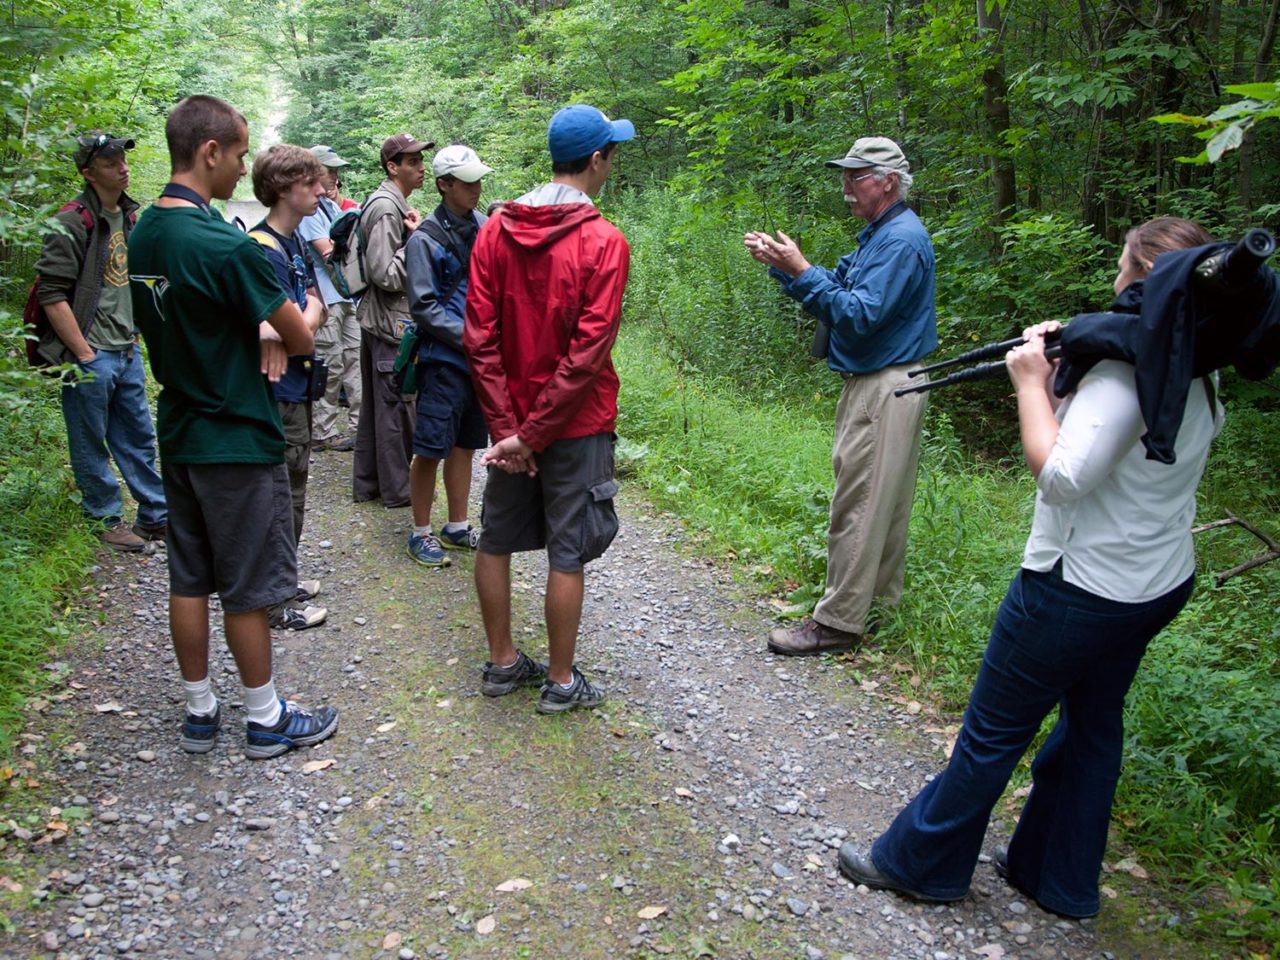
(1258, 91)
(1228, 138)
(1184, 118)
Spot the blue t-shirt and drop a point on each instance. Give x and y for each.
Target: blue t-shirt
(295, 276)
(879, 299)
(316, 227)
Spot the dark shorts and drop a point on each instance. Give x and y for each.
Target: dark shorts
(449, 414)
(567, 507)
(231, 533)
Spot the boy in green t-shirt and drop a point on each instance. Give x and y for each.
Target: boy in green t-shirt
(218, 328)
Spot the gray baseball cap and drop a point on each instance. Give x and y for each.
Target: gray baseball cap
(329, 157)
(95, 143)
(873, 152)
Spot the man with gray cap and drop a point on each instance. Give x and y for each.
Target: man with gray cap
(384, 439)
(878, 306)
(450, 425)
(338, 340)
(84, 291)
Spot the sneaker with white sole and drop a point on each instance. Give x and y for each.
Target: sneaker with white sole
(200, 732)
(525, 672)
(581, 694)
(296, 728)
(307, 590)
(290, 617)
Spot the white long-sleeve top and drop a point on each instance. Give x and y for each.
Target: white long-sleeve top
(1121, 523)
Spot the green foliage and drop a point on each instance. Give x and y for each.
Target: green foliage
(45, 547)
(1225, 128)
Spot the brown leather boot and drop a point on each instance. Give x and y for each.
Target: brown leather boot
(120, 537)
(811, 638)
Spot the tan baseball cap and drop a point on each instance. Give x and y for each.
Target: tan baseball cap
(873, 152)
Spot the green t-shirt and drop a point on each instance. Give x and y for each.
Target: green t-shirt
(200, 288)
(113, 323)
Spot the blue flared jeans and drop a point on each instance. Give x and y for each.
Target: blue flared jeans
(1053, 644)
(107, 414)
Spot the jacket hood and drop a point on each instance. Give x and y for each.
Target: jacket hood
(536, 227)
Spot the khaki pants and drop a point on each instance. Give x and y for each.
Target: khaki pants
(338, 345)
(876, 450)
(296, 418)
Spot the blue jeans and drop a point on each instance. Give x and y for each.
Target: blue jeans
(1052, 644)
(108, 412)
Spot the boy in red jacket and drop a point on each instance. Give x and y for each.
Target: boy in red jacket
(543, 307)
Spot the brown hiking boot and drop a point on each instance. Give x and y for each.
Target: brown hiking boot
(809, 639)
(123, 539)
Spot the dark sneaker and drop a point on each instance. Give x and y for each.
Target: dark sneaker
(307, 590)
(297, 728)
(461, 540)
(119, 537)
(337, 443)
(581, 695)
(427, 551)
(156, 532)
(287, 617)
(809, 639)
(525, 672)
(199, 733)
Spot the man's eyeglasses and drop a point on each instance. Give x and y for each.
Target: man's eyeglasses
(852, 179)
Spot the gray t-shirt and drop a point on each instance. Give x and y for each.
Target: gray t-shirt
(316, 227)
(113, 323)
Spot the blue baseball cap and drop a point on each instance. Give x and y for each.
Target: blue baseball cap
(579, 131)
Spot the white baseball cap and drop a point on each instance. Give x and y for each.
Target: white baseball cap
(459, 162)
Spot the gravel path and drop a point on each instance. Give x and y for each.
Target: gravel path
(697, 813)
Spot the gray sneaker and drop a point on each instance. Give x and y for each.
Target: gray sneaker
(581, 695)
(525, 672)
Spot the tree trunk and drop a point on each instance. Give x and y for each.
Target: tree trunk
(996, 107)
(1261, 66)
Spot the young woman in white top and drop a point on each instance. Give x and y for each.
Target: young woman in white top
(1108, 564)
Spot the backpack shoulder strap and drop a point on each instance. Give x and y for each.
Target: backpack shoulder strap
(264, 238)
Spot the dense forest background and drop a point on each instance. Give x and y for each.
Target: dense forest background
(1030, 129)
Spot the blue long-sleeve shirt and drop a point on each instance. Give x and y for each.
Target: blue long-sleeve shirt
(878, 300)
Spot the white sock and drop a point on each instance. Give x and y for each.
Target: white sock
(262, 704)
(422, 531)
(458, 527)
(200, 699)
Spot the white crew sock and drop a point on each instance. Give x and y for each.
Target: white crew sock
(200, 699)
(458, 527)
(262, 704)
(422, 531)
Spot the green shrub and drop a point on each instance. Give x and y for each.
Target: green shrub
(45, 544)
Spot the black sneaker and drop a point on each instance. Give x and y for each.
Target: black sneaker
(200, 732)
(296, 728)
(307, 590)
(580, 695)
(525, 672)
(292, 617)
